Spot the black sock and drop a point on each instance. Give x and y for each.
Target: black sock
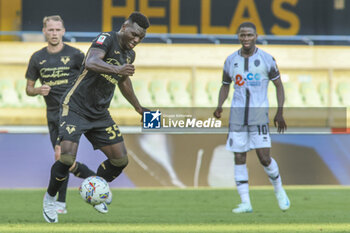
(62, 192)
(59, 173)
(108, 171)
(82, 171)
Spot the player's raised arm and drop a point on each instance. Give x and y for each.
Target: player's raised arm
(279, 120)
(94, 61)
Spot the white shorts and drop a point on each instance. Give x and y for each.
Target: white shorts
(243, 138)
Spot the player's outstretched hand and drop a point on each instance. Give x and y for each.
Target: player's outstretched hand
(44, 90)
(217, 113)
(126, 69)
(141, 111)
(280, 123)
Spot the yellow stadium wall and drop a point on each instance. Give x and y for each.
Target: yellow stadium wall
(10, 17)
(202, 55)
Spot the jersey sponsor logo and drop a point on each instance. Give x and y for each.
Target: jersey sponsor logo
(55, 83)
(101, 39)
(109, 78)
(152, 119)
(251, 76)
(55, 72)
(250, 79)
(42, 62)
(239, 80)
(113, 61)
(65, 59)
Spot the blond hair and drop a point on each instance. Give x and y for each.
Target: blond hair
(54, 18)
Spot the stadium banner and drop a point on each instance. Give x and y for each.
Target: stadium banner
(272, 17)
(182, 160)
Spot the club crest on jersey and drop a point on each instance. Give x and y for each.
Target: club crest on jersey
(113, 61)
(65, 59)
(101, 39)
(257, 62)
(70, 128)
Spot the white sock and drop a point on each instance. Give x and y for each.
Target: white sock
(53, 198)
(274, 176)
(62, 204)
(241, 178)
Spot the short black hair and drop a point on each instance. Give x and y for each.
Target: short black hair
(140, 19)
(247, 25)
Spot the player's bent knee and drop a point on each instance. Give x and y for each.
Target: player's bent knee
(67, 159)
(120, 162)
(265, 161)
(112, 168)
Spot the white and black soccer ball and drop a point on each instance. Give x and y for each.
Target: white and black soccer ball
(94, 190)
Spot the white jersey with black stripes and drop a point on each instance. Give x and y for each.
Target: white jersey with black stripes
(251, 77)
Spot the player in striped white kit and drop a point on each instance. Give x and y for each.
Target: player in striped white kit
(251, 69)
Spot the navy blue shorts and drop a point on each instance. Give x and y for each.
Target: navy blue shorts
(101, 132)
(53, 119)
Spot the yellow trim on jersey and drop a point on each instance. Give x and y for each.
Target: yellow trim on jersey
(62, 179)
(70, 93)
(65, 109)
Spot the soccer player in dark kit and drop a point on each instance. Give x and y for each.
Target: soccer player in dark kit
(85, 106)
(56, 66)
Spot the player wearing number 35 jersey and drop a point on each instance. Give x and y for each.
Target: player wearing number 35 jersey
(85, 106)
(250, 69)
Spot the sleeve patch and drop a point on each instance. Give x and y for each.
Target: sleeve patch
(101, 39)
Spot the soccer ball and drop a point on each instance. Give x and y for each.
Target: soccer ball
(94, 190)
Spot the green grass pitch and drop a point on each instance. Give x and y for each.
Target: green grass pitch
(314, 209)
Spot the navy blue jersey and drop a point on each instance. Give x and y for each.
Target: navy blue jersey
(57, 70)
(92, 93)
